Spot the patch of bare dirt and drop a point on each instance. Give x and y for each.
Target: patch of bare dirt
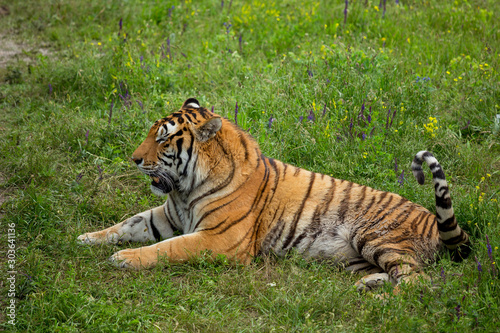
(11, 50)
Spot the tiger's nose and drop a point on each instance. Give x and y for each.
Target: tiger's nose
(137, 160)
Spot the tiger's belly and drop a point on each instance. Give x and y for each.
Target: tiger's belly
(332, 243)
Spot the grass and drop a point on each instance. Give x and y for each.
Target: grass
(351, 95)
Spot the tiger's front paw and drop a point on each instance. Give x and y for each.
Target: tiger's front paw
(88, 238)
(98, 238)
(134, 258)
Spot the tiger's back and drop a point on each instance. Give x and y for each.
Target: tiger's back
(228, 198)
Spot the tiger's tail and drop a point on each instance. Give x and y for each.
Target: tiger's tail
(453, 237)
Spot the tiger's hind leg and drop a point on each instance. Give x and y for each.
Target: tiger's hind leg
(372, 281)
(406, 274)
(359, 264)
(398, 268)
(375, 278)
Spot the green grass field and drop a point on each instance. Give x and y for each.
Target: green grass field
(353, 94)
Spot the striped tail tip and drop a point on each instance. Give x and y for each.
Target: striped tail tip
(450, 233)
(416, 167)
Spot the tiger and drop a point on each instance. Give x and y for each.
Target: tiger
(224, 197)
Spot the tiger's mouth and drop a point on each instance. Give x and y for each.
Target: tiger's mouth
(162, 185)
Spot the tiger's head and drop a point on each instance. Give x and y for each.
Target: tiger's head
(169, 154)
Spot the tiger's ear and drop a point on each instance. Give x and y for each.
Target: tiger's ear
(208, 128)
(191, 103)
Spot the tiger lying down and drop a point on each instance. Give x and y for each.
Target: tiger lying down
(224, 196)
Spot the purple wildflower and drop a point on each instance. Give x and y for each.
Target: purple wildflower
(310, 73)
(393, 115)
(100, 171)
(270, 123)
(395, 165)
(490, 255)
(140, 104)
(125, 98)
(228, 27)
(363, 137)
(301, 118)
(240, 42)
(479, 267)
(170, 11)
(121, 24)
(50, 89)
(397, 2)
(212, 109)
(87, 137)
(457, 309)
(383, 13)
(351, 126)
(111, 111)
(324, 110)
(311, 117)
(345, 11)
(361, 115)
(222, 5)
(443, 276)
(327, 81)
(389, 118)
(143, 66)
(236, 114)
(79, 177)
(401, 178)
(490, 250)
